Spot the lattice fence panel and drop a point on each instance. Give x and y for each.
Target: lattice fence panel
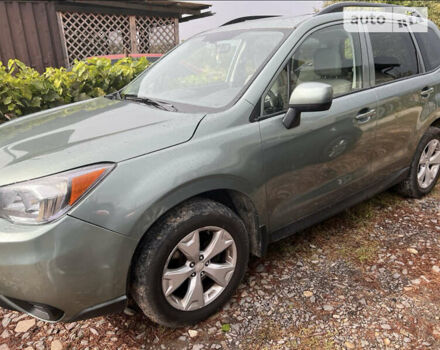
(87, 34)
(155, 34)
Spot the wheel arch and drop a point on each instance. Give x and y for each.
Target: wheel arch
(436, 123)
(243, 206)
(239, 203)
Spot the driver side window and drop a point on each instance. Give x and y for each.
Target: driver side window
(277, 98)
(330, 55)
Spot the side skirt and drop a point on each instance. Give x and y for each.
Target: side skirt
(332, 210)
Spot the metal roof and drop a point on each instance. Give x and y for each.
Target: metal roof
(183, 10)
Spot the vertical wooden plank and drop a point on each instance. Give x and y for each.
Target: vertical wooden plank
(57, 39)
(17, 32)
(176, 31)
(6, 47)
(31, 36)
(133, 29)
(46, 47)
(63, 38)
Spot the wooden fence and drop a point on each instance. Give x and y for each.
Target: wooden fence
(90, 34)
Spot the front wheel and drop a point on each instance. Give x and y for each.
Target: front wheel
(424, 171)
(190, 263)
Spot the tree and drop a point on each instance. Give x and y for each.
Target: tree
(433, 7)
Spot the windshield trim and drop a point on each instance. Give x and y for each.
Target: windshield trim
(191, 108)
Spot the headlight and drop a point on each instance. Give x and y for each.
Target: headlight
(46, 199)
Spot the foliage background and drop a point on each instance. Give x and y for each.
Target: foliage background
(433, 7)
(23, 90)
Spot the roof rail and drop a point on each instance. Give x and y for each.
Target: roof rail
(339, 7)
(247, 18)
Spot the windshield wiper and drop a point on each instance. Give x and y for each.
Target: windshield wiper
(113, 95)
(149, 101)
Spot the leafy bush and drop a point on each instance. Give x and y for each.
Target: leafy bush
(23, 90)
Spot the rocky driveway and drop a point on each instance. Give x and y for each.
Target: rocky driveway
(367, 278)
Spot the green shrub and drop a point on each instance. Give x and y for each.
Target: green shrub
(23, 90)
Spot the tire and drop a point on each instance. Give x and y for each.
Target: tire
(159, 255)
(411, 186)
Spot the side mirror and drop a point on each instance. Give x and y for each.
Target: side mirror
(307, 97)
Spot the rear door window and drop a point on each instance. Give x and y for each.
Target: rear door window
(394, 55)
(429, 44)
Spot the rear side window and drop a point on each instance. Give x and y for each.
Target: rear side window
(429, 44)
(395, 56)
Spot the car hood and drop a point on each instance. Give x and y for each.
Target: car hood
(93, 131)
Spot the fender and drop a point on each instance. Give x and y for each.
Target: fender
(203, 187)
(142, 204)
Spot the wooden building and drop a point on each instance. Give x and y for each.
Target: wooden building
(55, 33)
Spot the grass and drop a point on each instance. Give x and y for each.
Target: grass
(360, 215)
(365, 253)
(300, 339)
(309, 339)
(347, 233)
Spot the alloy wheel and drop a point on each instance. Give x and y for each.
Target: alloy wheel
(199, 268)
(429, 164)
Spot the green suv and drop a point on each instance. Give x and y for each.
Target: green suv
(239, 137)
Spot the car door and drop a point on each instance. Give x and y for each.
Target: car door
(327, 158)
(429, 48)
(405, 98)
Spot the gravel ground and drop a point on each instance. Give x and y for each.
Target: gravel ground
(367, 278)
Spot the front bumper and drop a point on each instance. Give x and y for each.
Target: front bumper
(63, 271)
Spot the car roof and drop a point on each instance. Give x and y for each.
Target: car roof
(334, 11)
(288, 22)
(265, 23)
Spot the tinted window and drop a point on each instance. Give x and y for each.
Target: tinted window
(277, 98)
(395, 56)
(429, 44)
(330, 55)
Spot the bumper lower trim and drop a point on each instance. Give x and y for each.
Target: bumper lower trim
(5, 305)
(109, 307)
(41, 311)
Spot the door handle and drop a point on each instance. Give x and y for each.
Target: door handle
(365, 117)
(426, 92)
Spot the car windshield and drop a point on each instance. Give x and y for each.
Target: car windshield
(209, 71)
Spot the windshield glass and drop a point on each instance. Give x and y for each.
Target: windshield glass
(208, 71)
